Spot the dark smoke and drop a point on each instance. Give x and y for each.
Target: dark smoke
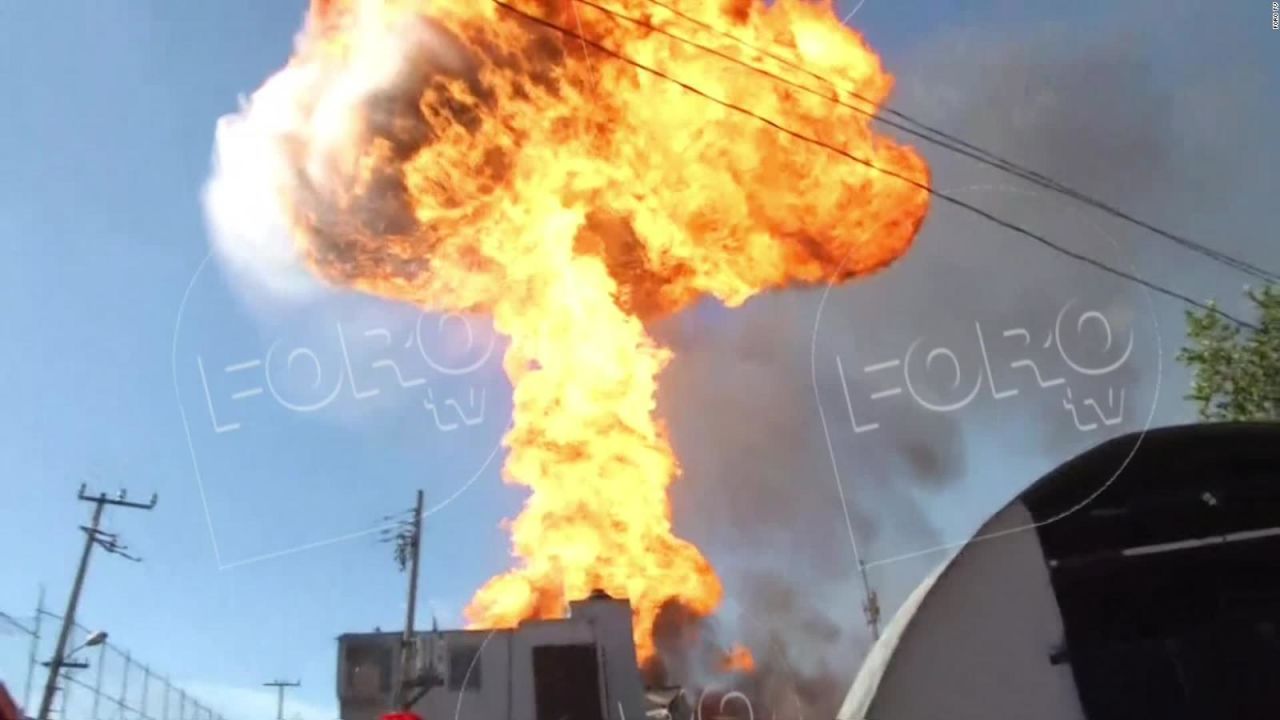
(787, 625)
(1083, 102)
(687, 646)
(748, 436)
(759, 484)
(784, 683)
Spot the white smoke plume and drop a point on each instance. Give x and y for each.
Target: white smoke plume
(252, 165)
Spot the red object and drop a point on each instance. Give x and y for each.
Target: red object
(401, 716)
(8, 707)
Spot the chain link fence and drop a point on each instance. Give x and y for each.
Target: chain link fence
(103, 682)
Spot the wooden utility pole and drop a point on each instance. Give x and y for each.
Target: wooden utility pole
(414, 547)
(280, 685)
(108, 542)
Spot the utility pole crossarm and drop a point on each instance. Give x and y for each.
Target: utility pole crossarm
(280, 685)
(118, 500)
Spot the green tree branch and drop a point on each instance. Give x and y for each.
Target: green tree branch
(1237, 371)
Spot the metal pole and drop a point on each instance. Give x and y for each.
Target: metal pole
(35, 650)
(406, 642)
(124, 685)
(146, 688)
(68, 618)
(97, 686)
(871, 604)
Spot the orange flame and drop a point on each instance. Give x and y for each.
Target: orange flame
(738, 659)
(450, 154)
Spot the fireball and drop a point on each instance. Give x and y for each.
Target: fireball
(455, 155)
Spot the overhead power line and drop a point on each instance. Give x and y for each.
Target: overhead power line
(927, 133)
(886, 171)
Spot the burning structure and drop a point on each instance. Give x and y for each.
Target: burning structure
(579, 667)
(576, 171)
(582, 667)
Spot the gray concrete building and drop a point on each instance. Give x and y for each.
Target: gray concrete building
(582, 667)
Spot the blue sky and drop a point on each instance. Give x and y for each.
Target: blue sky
(105, 140)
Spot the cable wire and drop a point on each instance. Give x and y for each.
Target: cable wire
(931, 134)
(886, 171)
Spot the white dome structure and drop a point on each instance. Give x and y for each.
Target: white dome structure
(1155, 594)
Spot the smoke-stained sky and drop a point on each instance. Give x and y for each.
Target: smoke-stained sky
(1098, 103)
